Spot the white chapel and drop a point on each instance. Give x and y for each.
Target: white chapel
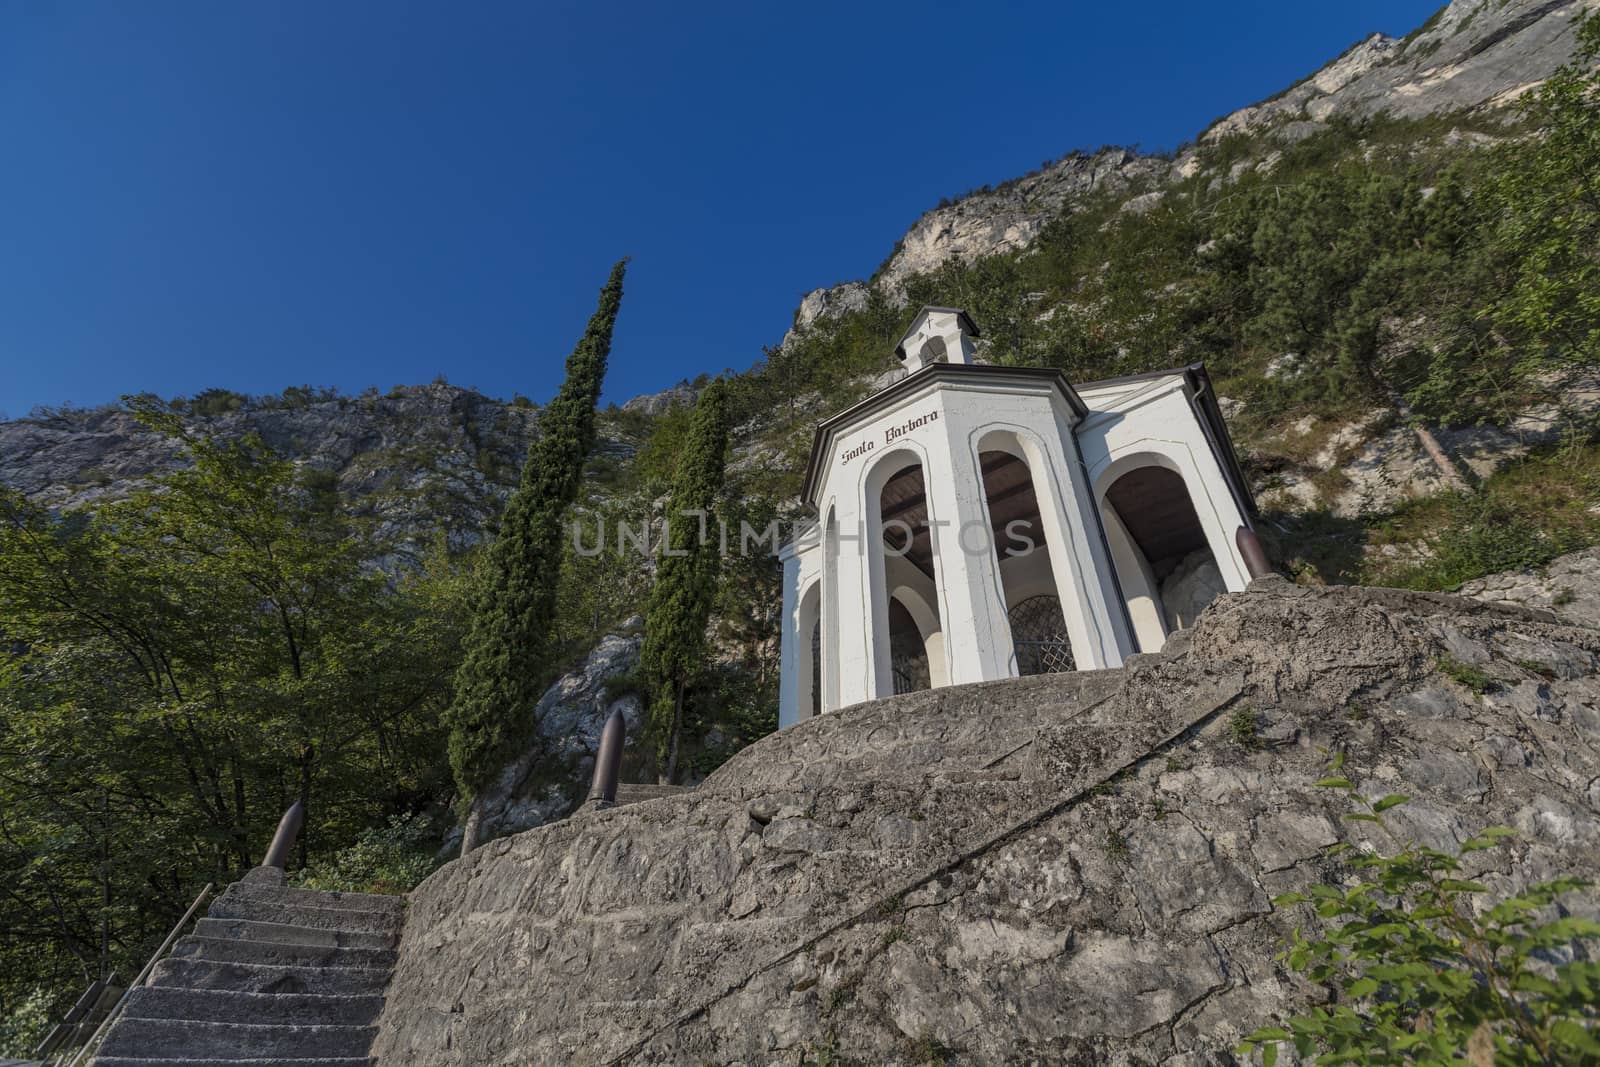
(980, 522)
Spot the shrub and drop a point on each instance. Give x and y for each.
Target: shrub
(1422, 977)
(1242, 729)
(390, 859)
(25, 1024)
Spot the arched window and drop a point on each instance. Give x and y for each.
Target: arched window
(808, 673)
(910, 651)
(1039, 632)
(1027, 578)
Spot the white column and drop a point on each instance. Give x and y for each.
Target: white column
(974, 605)
(1138, 583)
(791, 642)
(1096, 621)
(859, 609)
(830, 613)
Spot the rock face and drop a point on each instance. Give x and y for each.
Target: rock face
(1474, 53)
(657, 403)
(571, 714)
(1066, 869)
(1009, 217)
(1569, 586)
(405, 457)
(827, 304)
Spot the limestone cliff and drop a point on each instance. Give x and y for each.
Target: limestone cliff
(1062, 869)
(416, 459)
(1472, 55)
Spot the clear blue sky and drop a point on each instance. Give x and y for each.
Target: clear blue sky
(255, 195)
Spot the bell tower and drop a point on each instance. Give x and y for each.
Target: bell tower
(938, 335)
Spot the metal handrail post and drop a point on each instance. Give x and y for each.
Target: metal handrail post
(111, 1016)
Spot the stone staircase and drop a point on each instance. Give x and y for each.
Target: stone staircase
(271, 976)
(635, 793)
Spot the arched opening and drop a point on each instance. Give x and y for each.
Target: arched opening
(908, 653)
(1164, 562)
(1027, 579)
(908, 632)
(808, 669)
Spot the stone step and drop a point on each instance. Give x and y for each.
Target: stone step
(317, 898)
(291, 934)
(229, 1006)
(182, 1038)
(268, 978)
(232, 950)
(637, 792)
(253, 1061)
(233, 906)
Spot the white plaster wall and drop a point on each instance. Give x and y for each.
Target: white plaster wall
(1156, 425)
(962, 611)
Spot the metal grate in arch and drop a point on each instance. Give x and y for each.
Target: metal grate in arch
(1039, 634)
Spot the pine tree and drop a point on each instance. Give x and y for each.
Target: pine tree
(507, 649)
(686, 576)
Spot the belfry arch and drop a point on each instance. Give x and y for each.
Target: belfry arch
(1022, 545)
(907, 633)
(1166, 563)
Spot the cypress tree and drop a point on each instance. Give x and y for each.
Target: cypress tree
(507, 651)
(686, 576)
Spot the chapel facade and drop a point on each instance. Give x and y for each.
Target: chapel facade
(980, 522)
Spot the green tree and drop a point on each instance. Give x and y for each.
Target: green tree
(507, 658)
(685, 588)
(178, 667)
(1546, 196)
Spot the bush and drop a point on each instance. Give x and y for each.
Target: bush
(25, 1024)
(390, 859)
(1422, 977)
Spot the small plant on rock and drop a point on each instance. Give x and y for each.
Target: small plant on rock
(1421, 977)
(1464, 673)
(1242, 729)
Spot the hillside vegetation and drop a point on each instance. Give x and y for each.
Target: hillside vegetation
(242, 621)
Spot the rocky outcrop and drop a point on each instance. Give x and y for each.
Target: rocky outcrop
(1009, 217)
(829, 303)
(1062, 869)
(1472, 54)
(404, 458)
(541, 785)
(1569, 586)
(659, 403)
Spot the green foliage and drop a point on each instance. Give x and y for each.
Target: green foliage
(1522, 517)
(685, 588)
(24, 1022)
(1242, 729)
(1465, 674)
(216, 402)
(1424, 974)
(1546, 200)
(507, 661)
(182, 665)
(387, 859)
